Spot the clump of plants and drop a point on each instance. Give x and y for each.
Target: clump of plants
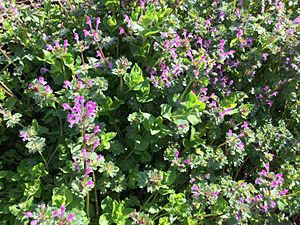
(149, 112)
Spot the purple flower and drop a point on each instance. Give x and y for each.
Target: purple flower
(55, 213)
(187, 161)
(28, 214)
(83, 151)
(249, 200)
(283, 192)
(66, 106)
(96, 37)
(89, 22)
(264, 208)
(267, 166)
(44, 70)
(56, 44)
(34, 222)
(66, 44)
(96, 144)
(195, 191)
(241, 145)
(265, 56)
(71, 217)
(263, 173)
(86, 33)
(76, 37)
(121, 30)
(98, 21)
(41, 81)
(222, 43)
(49, 47)
(24, 135)
(62, 211)
(266, 88)
(96, 129)
(297, 20)
(216, 194)
(225, 112)
(67, 84)
(90, 183)
(127, 19)
(239, 33)
(48, 89)
(229, 132)
(273, 204)
(207, 22)
(258, 180)
(222, 15)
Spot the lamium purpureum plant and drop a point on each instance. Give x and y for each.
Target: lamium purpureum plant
(149, 112)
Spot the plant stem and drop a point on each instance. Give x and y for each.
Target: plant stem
(46, 164)
(154, 193)
(96, 195)
(186, 90)
(237, 173)
(64, 69)
(6, 56)
(101, 52)
(121, 86)
(88, 204)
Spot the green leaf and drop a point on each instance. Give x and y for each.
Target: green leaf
(103, 219)
(229, 101)
(193, 119)
(166, 111)
(140, 143)
(62, 196)
(135, 80)
(192, 101)
(220, 206)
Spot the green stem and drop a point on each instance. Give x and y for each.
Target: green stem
(64, 69)
(186, 90)
(101, 52)
(121, 86)
(154, 193)
(96, 195)
(88, 204)
(6, 56)
(46, 164)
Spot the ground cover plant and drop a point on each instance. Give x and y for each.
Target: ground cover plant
(149, 112)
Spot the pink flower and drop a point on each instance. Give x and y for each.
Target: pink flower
(187, 161)
(55, 213)
(66, 44)
(89, 22)
(121, 30)
(86, 33)
(49, 47)
(127, 19)
(28, 214)
(76, 37)
(24, 135)
(62, 211)
(34, 222)
(71, 217)
(90, 183)
(98, 21)
(283, 192)
(83, 151)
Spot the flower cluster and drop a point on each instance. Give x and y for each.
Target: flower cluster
(34, 142)
(57, 46)
(81, 113)
(51, 215)
(40, 85)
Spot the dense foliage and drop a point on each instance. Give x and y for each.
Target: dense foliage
(149, 112)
